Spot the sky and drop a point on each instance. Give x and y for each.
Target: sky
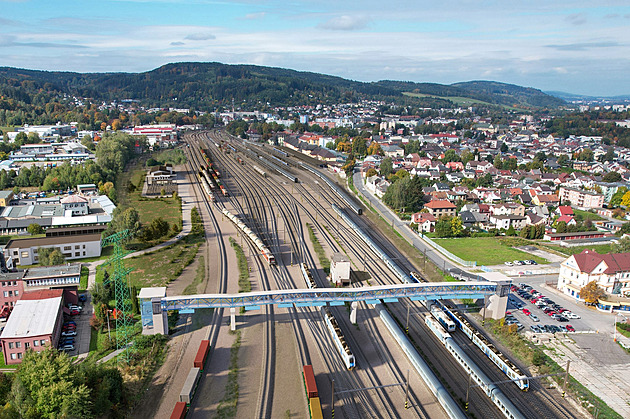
(571, 46)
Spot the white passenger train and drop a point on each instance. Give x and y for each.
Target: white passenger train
(499, 359)
(338, 338)
(492, 391)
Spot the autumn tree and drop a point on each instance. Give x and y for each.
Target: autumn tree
(591, 293)
(371, 172)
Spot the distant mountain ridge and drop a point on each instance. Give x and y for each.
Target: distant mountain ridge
(192, 84)
(573, 97)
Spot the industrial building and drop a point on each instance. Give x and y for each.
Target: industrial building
(34, 324)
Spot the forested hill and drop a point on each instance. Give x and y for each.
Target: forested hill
(203, 85)
(486, 91)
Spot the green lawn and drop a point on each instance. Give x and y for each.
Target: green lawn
(586, 215)
(601, 248)
(83, 282)
(485, 250)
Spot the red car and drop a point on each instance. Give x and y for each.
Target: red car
(526, 312)
(570, 328)
(550, 313)
(74, 312)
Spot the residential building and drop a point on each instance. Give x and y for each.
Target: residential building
(507, 221)
(5, 198)
(580, 198)
(33, 324)
(425, 221)
(439, 208)
(610, 271)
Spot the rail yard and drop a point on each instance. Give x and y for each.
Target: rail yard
(270, 200)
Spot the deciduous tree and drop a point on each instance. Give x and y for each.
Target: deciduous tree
(591, 292)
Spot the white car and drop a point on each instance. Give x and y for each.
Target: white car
(75, 307)
(508, 263)
(69, 333)
(571, 315)
(534, 317)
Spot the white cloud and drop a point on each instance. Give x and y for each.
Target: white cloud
(200, 36)
(344, 23)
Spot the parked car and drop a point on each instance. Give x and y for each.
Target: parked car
(574, 316)
(570, 328)
(75, 307)
(74, 312)
(533, 262)
(67, 348)
(534, 317)
(70, 322)
(69, 333)
(526, 312)
(508, 263)
(563, 329)
(82, 298)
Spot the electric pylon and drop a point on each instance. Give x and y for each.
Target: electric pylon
(120, 278)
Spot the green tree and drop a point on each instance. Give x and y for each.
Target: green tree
(387, 166)
(34, 229)
(586, 155)
(561, 227)
(615, 201)
(49, 256)
(371, 172)
(359, 146)
(611, 177)
(563, 160)
(46, 384)
(622, 246)
(443, 228)
(511, 231)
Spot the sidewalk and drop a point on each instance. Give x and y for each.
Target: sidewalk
(185, 192)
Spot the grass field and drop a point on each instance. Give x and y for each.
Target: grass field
(458, 100)
(586, 215)
(157, 269)
(484, 250)
(601, 249)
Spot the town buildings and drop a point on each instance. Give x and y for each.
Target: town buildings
(610, 271)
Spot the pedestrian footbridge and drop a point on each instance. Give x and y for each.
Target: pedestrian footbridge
(155, 304)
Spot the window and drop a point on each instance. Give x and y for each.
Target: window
(77, 254)
(67, 248)
(42, 342)
(77, 246)
(35, 342)
(27, 345)
(10, 345)
(17, 293)
(10, 293)
(6, 293)
(84, 253)
(4, 284)
(13, 356)
(19, 355)
(24, 254)
(84, 246)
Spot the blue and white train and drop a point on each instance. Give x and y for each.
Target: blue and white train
(492, 391)
(338, 338)
(444, 320)
(513, 372)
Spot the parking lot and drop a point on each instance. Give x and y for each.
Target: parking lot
(531, 310)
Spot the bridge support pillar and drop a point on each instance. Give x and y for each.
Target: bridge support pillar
(232, 319)
(353, 312)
